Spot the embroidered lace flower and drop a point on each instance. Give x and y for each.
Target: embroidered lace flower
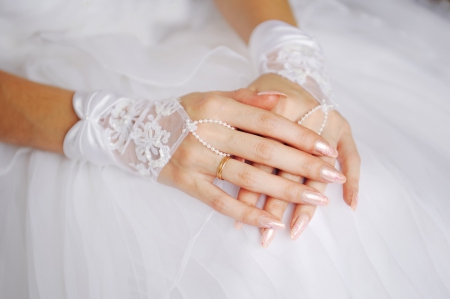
(303, 64)
(141, 133)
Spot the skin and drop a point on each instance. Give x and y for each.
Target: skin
(244, 16)
(33, 114)
(39, 116)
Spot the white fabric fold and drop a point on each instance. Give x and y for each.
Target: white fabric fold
(77, 230)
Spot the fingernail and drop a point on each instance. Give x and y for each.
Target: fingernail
(315, 198)
(267, 237)
(271, 93)
(326, 149)
(238, 225)
(299, 226)
(331, 175)
(267, 222)
(355, 200)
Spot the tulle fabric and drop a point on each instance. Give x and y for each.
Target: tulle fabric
(70, 229)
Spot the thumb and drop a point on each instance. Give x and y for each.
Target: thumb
(266, 100)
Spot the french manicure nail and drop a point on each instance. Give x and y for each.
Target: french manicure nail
(238, 225)
(271, 92)
(331, 175)
(355, 200)
(315, 198)
(299, 226)
(267, 237)
(326, 149)
(267, 222)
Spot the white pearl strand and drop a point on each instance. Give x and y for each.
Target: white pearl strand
(191, 126)
(325, 108)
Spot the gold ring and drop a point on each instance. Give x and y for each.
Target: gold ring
(221, 166)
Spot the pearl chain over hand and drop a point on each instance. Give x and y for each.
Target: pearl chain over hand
(325, 111)
(191, 126)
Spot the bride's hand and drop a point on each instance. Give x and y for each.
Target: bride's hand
(336, 131)
(193, 166)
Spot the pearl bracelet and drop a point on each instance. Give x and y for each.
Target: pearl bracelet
(325, 111)
(191, 126)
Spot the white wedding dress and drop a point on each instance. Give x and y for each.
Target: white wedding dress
(75, 230)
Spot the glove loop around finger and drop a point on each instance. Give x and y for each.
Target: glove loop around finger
(191, 126)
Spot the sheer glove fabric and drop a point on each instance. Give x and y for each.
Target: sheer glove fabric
(141, 136)
(280, 48)
(136, 135)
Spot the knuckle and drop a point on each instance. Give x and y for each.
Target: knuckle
(247, 178)
(209, 103)
(303, 137)
(247, 216)
(264, 150)
(276, 207)
(268, 122)
(291, 193)
(307, 164)
(218, 204)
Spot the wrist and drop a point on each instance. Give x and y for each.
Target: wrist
(139, 136)
(283, 49)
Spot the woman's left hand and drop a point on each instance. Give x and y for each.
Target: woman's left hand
(337, 132)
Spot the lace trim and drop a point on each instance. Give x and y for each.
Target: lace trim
(137, 125)
(297, 63)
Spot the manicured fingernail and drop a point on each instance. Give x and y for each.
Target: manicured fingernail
(267, 222)
(299, 226)
(315, 198)
(355, 200)
(238, 225)
(271, 93)
(267, 237)
(331, 175)
(326, 149)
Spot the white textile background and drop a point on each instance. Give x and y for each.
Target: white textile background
(73, 230)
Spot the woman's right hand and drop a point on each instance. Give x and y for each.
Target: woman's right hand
(193, 166)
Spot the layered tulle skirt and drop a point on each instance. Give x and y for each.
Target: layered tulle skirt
(74, 230)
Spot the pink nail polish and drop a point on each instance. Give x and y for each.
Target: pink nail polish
(267, 237)
(267, 222)
(331, 175)
(271, 92)
(238, 225)
(314, 198)
(326, 149)
(355, 200)
(299, 226)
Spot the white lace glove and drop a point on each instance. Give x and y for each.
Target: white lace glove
(139, 136)
(280, 48)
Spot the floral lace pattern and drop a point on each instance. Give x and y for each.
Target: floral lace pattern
(298, 62)
(141, 132)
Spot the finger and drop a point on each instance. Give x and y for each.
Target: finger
(303, 213)
(300, 219)
(256, 180)
(351, 163)
(224, 204)
(272, 153)
(249, 197)
(256, 121)
(277, 208)
(265, 100)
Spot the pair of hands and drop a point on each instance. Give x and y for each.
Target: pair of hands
(271, 140)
